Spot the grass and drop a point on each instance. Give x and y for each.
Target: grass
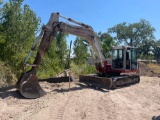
(82, 69)
(154, 66)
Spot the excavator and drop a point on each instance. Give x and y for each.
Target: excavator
(121, 71)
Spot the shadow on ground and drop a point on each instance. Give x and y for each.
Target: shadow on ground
(156, 117)
(80, 87)
(13, 93)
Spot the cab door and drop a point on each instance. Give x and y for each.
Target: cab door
(133, 59)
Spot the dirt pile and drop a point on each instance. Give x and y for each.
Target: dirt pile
(144, 70)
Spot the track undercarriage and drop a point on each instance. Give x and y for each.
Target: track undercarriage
(111, 82)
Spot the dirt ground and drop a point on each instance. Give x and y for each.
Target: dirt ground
(80, 102)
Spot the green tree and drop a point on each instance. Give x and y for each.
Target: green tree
(145, 48)
(107, 42)
(18, 26)
(156, 50)
(80, 51)
(2, 37)
(54, 61)
(1, 1)
(133, 34)
(62, 49)
(49, 66)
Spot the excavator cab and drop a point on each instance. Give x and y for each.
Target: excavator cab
(124, 58)
(118, 71)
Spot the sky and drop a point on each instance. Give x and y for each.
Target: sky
(100, 14)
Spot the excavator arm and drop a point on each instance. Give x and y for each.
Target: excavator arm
(28, 82)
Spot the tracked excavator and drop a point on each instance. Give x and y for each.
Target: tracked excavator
(110, 75)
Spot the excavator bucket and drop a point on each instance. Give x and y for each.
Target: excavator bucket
(29, 87)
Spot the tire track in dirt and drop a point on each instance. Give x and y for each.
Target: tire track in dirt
(139, 101)
(84, 105)
(30, 111)
(49, 106)
(63, 108)
(122, 107)
(149, 94)
(108, 107)
(56, 106)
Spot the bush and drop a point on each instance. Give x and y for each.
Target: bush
(82, 69)
(6, 75)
